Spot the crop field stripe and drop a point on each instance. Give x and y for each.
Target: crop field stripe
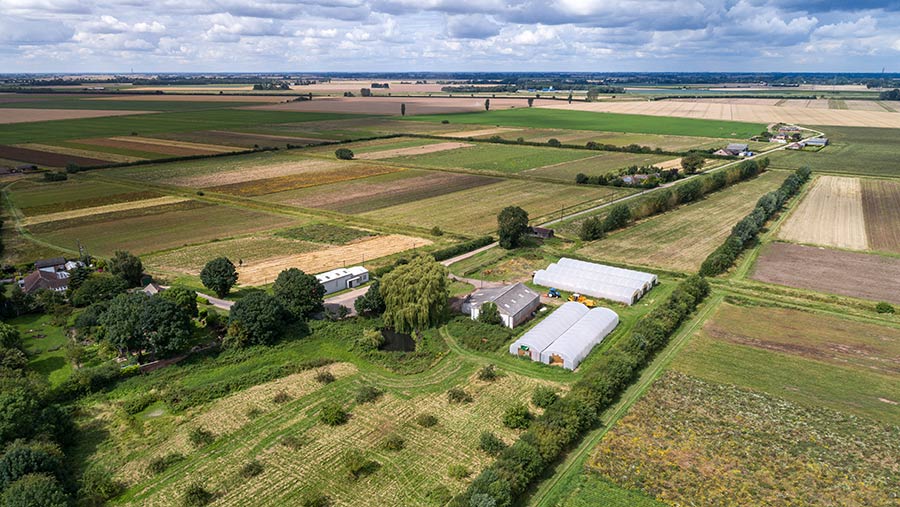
(881, 207)
(831, 214)
(99, 210)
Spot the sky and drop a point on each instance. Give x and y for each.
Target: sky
(443, 35)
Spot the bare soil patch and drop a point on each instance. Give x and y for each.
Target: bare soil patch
(64, 150)
(831, 214)
(23, 115)
(251, 173)
(264, 272)
(46, 158)
(412, 150)
(391, 105)
(108, 208)
(866, 276)
(295, 181)
(881, 207)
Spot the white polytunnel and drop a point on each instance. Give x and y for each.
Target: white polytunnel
(599, 277)
(602, 268)
(532, 343)
(576, 343)
(578, 282)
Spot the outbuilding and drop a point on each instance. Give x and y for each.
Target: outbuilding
(541, 336)
(577, 342)
(596, 280)
(343, 278)
(817, 142)
(515, 303)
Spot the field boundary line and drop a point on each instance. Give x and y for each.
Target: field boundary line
(16, 215)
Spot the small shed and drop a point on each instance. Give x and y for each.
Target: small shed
(577, 342)
(542, 232)
(532, 343)
(152, 289)
(343, 278)
(515, 303)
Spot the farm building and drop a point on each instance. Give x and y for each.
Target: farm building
(816, 142)
(541, 336)
(516, 303)
(42, 279)
(542, 232)
(343, 278)
(597, 280)
(576, 343)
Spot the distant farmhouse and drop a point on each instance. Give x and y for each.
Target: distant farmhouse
(516, 303)
(49, 274)
(734, 149)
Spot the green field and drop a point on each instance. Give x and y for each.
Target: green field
(36, 196)
(123, 104)
(475, 211)
(494, 158)
(682, 238)
(607, 122)
(45, 345)
(853, 150)
(603, 163)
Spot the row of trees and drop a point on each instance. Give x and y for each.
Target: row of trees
(622, 214)
(745, 231)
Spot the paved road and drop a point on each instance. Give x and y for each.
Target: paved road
(221, 304)
(454, 260)
(346, 299)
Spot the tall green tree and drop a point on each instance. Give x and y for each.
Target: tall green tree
(257, 319)
(10, 337)
(487, 104)
(299, 293)
(415, 295)
(692, 162)
(35, 490)
(121, 322)
(98, 287)
(165, 327)
(512, 225)
(219, 276)
(185, 298)
(372, 302)
(126, 266)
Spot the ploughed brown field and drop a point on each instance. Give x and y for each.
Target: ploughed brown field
(25, 115)
(881, 204)
(860, 275)
(47, 158)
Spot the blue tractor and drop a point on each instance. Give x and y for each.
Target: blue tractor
(553, 293)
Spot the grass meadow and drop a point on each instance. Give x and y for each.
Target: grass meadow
(853, 150)
(494, 158)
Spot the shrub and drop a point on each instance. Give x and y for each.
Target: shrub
(281, 397)
(98, 485)
(138, 403)
(437, 231)
(491, 444)
(293, 442)
(367, 394)
(489, 314)
(445, 121)
(162, 463)
(554, 142)
(343, 153)
(55, 176)
(458, 395)
(196, 495)
(487, 373)
(315, 499)
(461, 248)
(426, 420)
(358, 465)
(200, 437)
(325, 377)
(22, 458)
(333, 414)
(517, 417)
(477, 336)
(458, 472)
(254, 412)
(251, 469)
(35, 490)
(884, 307)
(370, 339)
(592, 228)
(618, 217)
(544, 396)
(393, 442)
(439, 495)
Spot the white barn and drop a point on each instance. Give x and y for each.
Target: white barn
(532, 343)
(343, 278)
(577, 342)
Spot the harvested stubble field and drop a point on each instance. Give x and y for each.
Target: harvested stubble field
(47, 158)
(494, 158)
(142, 231)
(192, 97)
(474, 211)
(265, 186)
(682, 238)
(36, 197)
(881, 207)
(860, 275)
(391, 105)
(689, 442)
(266, 270)
(862, 151)
(601, 163)
(570, 117)
(299, 455)
(161, 146)
(147, 204)
(312, 168)
(78, 152)
(241, 140)
(813, 359)
(761, 114)
(376, 192)
(9, 115)
(831, 214)
(413, 151)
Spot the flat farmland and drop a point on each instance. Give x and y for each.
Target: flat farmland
(264, 186)
(371, 147)
(682, 238)
(266, 270)
(47, 158)
(831, 214)
(37, 197)
(812, 359)
(853, 151)
(146, 230)
(9, 115)
(300, 456)
(602, 163)
(881, 207)
(391, 105)
(242, 140)
(607, 122)
(101, 210)
(860, 275)
(160, 146)
(475, 211)
(80, 152)
(692, 442)
(494, 158)
(376, 192)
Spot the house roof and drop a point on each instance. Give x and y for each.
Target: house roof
(510, 300)
(45, 280)
(152, 288)
(334, 274)
(817, 140)
(47, 263)
(737, 147)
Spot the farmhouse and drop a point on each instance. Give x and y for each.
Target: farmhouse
(40, 279)
(343, 278)
(597, 280)
(516, 303)
(152, 289)
(733, 149)
(567, 336)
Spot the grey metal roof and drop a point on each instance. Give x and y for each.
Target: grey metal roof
(46, 263)
(737, 147)
(510, 300)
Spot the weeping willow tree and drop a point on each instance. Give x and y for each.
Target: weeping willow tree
(415, 295)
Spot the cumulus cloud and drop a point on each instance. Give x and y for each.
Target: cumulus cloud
(471, 26)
